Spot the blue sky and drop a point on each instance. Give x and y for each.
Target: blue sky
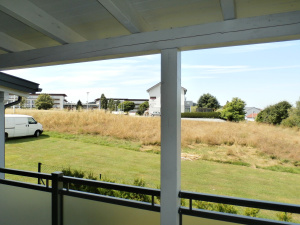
(261, 75)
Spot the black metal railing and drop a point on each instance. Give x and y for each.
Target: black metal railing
(58, 181)
(274, 206)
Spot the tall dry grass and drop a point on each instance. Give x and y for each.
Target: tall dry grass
(272, 140)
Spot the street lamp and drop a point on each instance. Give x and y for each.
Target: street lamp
(87, 100)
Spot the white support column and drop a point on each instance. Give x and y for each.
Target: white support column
(2, 132)
(170, 135)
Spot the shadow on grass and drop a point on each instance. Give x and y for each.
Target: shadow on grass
(18, 140)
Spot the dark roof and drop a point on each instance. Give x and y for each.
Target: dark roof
(18, 84)
(51, 94)
(125, 99)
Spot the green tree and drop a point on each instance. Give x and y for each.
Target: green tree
(274, 114)
(79, 105)
(103, 101)
(44, 101)
(234, 110)
(117, 103)
(143, 107)
(208, 101)
(111, 105)
(294, 117)
(127, 106)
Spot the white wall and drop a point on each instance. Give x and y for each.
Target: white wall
(155, 105)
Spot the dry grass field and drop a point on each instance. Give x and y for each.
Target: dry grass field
(235, 141)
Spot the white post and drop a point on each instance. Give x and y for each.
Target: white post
(170, 136)
(2, 134)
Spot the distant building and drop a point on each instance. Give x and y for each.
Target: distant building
(155, 98)
(59, 100)
(188, 106)
(137, 102)
(251, 113)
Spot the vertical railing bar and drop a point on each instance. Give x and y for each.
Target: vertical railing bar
(191, 204)
(68, 186)
(47, 183)
(152, 200)
(39, 170)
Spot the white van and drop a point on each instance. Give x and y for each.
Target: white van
(21, 125)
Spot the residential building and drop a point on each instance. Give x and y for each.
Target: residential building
(59, 100)
(155, 98)
(251, 113)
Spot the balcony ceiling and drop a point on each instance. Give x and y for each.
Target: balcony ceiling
(43, 32)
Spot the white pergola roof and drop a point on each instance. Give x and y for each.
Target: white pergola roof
(43, 32)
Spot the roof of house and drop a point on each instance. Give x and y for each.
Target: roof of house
(252, 115)
(158, 84)
(14, 84)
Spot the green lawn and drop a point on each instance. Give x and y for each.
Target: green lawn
(120, 160)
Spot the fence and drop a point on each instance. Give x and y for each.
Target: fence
(57, 190)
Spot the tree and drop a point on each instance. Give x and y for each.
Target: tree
(79, 105)
(111, 105)
(143, 107)
(234, 110)
(274, 114)
(103, 102)
(44, 101)
(127, 106)
(294, 117)
(208, 101)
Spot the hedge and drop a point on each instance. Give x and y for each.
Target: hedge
(201, 115)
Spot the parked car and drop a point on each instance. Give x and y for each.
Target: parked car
(21, 125)
(155, 114)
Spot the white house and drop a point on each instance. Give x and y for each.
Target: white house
(155, 98)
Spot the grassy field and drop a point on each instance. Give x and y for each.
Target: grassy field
(122, 162)
(247, 160)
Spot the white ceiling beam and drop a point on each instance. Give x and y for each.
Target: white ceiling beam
(270, 28)
(228, 9)
(10, 44)
(126, 16)
(31, 15)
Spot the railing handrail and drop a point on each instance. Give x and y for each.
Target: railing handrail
(276, 206)
(26, 173)
(232, 218)
(108, 185)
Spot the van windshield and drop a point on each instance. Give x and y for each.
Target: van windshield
(31, 121)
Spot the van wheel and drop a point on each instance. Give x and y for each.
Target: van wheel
(37, 133)
(6, 136)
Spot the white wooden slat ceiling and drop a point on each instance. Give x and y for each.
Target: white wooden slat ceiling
(37, 24)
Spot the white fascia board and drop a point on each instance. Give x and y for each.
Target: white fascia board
(13, 92)
(11, 44)
(33, 16)
(126, 16)
(263, 29)
(228, 9)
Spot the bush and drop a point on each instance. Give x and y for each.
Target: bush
(274, 114)
(216, 207)
(44, 101)
(234, 110)
(294, 117)
(200, 115)
(251, 212)
(284, 216)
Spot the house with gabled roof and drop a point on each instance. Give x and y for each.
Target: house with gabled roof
(155, 98)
